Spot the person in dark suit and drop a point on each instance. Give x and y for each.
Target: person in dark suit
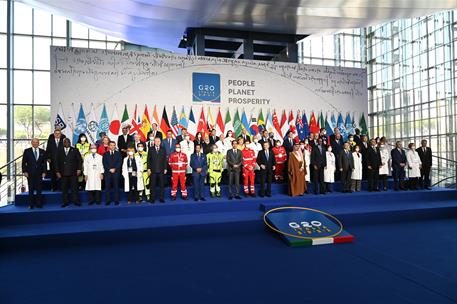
(155, 133)
(318, 163)
(199, 166)
(425, 154)
(364, 145)
(157, 168)
(136, 141)
(373, 164)
(234, 160)
(169, 143)
(182, 136)
(244, 135)
(55, 142)
(399, 161)
(267, 163)
(289, 142)
(266, 138)
(124, 140)
(68, 164)
(112, 164)
(34, 169)
(213, 138)
(346, 165)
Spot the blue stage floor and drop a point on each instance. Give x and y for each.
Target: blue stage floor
(220, 252)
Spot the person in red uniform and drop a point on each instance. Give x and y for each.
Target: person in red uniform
(249, 162)
(178, 164)
(281, 157)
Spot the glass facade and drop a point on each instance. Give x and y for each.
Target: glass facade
(412, 76)
(33, 32)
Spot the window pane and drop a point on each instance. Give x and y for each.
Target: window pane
(59, 26)
(2, 51)
(59, 41)
(2, 88)
(3, 16)
(23, 122)
(80, 43)
(97, 45)
(2, 126)
(41, 53)
(41, 23)
(41, 121)
(42, 88)
(79, 31)
(22, 52)
(22, 87)
(96, 35)
(22, 18)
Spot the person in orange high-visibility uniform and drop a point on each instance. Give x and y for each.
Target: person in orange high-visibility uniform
(249, 163)
(178, 164)
(281, 157)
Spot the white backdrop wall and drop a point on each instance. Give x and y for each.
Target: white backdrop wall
(95, 78)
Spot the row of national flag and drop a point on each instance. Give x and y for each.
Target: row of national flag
(280, 123)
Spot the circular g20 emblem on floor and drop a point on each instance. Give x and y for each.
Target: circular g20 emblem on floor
(303, 223)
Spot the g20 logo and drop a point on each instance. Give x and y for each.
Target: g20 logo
(206, 87)
(312, 224)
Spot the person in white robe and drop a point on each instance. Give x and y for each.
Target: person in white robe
(356, 176)
(306, 148)
(329, 169)
(414, 166)
(187, 147)
(132, 171)
(384, 169)
(93, 174)
(256, 147)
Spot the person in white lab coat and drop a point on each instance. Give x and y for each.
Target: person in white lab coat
(329, 169)
(187, 147)
(132, 171)
(93, 174)
(357, 173)
(223, 146)
(306, 148)
(384, 169)
(254, 145)
(414, 166)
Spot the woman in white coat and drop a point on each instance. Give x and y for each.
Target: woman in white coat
(132, 171)
(223, 146)
(93, 174)
(306, 148)
(356, 176)
(384, 169)
(187, 147)
(329, 170)
(414, 166)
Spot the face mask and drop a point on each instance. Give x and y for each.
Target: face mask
(357, 150)
(93, 150)
(302, 146)
(214, 150)
(178, 149)
(199, 136)
(130, 153)
(306, 142)
(229, 135)
(187, 137)
(351, 139)
(278, 145)
(382, 146)
(329, 149)
(413, 147)
(140, 149)
(83, 139)
(256, 140)
(151, 138)
(271, 136)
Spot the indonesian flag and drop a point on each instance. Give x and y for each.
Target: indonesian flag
(276, 125)
(284, 124)
(220, 127)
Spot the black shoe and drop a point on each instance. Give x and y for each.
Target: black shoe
(261, 195)
(253, 195)
(31, 207)
(98, 203)
(246, 194)
(195, 199)
(185, 198)
(78, 204)
(237, 197)
(108, 203)
(152, 201)
(91, 203)
(202, 199)
(230, 197)
(116, 203)
(64, 205)
(39, 206)
(268, 195)
(173, 198)
(429, 188)
(162, 200)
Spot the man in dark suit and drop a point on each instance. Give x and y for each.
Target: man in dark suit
(266, 138)
(364, 145)
(337, 146)
(318, 163)
(181, 137)
(124, 140)
(155, 133)
(112, 164)
(234, 160)
(398, 156)
(346, 165)
(136, 141)
(169, 143)
(244, 135)
(199, 166)
(55, 142)
(34, 169)
(213, 138)
(373, 164)
(266, 161)
(425, 154)
(289, 142)
(68, 167)
(157, 168)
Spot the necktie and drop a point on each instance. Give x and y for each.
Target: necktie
(36, 154)
(66, 151)
(169, 142)
(266, 154)
(157, 149)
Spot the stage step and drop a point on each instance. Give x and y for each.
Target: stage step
(19, 222)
